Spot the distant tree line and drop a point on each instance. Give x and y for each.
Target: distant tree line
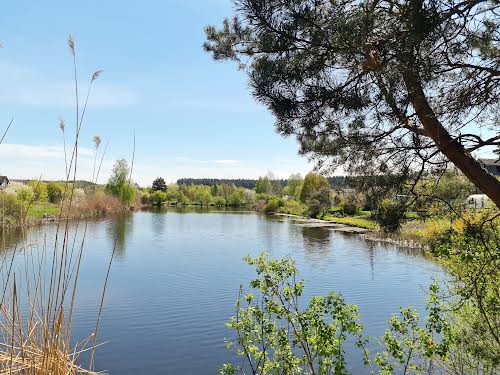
(240, 182)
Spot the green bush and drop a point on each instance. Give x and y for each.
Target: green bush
(219, 201)
(351, 204)
(319, 202)
(158, 198)
(293, 207)
(55, 192)
(390, 215)
(145, 198)
(273, 205)
(40, 191)
(11, 209)
(25, 194)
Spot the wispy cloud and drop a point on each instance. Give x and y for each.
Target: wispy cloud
(227, 162)
(27, 87)
(189, 160)
(19, 151)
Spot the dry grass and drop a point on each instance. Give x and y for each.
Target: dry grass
(40, 282)
(93, 205)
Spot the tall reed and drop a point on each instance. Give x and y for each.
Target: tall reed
(40, 283)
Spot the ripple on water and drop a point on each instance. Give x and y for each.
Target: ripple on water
(176, 276)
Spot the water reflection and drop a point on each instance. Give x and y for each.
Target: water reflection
(174, 286)
(9, 238)
(118, 231)
(316, 241)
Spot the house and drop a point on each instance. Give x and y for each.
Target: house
(477, 201)
(491, 165)
(4, 182)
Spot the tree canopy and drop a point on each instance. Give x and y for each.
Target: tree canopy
(119, 184)
(398, 86)
(159, 184)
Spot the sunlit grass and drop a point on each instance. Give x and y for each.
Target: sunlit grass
(360, 221)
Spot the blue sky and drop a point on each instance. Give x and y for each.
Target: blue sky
(193, 117)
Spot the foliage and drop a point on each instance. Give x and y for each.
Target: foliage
(312, 183)
(25, 194)
(449, 186)
(319, 202)
(269, 184)
(294, 184)
(390, 215)
(351, 204)
(374, 86)
(276, 336)
(11, 209)
(219, 201)
(239, 182)
(293, 207)
(412, 349)
(39, 188)
(273, 205)
(158, 198)
(159, 184)
(55, 192)
(119, 185)
(471, 253)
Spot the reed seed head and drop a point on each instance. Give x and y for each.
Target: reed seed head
(71, 44)
(96, 74)
(97, 141)
(62, 125)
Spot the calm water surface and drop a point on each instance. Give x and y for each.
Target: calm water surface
(176, 275)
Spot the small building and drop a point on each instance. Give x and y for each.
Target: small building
(491, 165)
(4, 182)
(477, 201)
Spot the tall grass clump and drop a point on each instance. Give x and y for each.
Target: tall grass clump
(40, 283)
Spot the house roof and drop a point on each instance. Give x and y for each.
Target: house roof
(495, 162)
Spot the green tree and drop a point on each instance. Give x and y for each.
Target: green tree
(55, 192)
(319, 202)
(159, 185)
(375, 86)
(158, 198)
(391, 215)
(25, 194)
(119, 185)
(263, 186)
(294, 185)
(39, 189)
(276, 336)
(312, 183)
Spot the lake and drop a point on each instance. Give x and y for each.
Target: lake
(177, 272)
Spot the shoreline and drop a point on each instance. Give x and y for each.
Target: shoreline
(368, 234)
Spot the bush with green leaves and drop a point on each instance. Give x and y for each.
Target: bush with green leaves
(319, 202)
(351, 204)
(275, 334)
(11, 209)
(390, 215)
(219, 201)
(55, 192)
(158, 198)
(25, 194)
(471, 255)
(40, 193)
(293, 207)
(273, 205)
(119, 184)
